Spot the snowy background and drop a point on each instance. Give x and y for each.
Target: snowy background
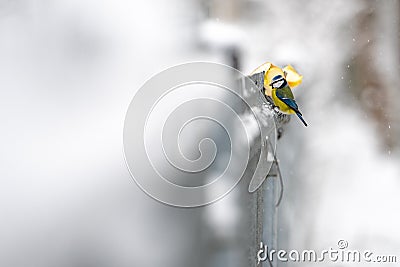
(69, 69)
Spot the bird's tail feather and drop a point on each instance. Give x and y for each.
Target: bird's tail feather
(301, 117)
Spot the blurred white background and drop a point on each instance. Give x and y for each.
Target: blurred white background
(69, 69)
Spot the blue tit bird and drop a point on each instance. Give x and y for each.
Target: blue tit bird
(277, 85)
(283, 97)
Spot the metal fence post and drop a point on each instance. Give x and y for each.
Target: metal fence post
(236, 242)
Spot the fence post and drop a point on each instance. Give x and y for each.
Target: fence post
(235, 242)
(266, 196)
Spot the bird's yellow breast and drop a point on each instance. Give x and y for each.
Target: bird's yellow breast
(280, 104)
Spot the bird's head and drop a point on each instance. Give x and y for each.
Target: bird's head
(278, 82)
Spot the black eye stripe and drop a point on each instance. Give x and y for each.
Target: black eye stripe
(277, 81)
(284, 83)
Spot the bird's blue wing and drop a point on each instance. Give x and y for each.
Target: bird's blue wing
(290, 102)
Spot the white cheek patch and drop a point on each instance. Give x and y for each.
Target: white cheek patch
(278, 84)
